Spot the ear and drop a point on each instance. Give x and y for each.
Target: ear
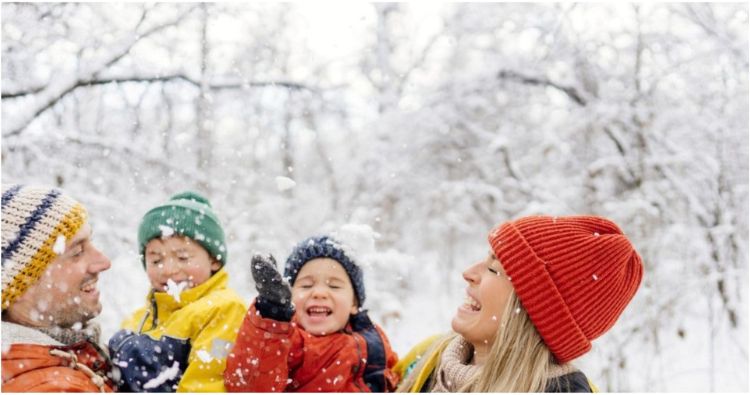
(215, 266)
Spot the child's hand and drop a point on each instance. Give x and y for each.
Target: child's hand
(274, 295)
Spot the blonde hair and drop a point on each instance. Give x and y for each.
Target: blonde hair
(519, 360)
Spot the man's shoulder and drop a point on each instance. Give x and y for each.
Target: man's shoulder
(35, 367)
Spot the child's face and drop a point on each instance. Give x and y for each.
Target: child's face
(323, 296)
(178, 258)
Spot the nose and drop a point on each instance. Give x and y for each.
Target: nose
(99, 261)
(471, 274)
(318, 292)
(169, 267)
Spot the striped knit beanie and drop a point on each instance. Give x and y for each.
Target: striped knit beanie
(574, 276)
(186, 214)
(324, 247)
(34, 218)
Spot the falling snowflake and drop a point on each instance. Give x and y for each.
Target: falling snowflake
(204, 356)
(59, 247)
(284, 183)
(175, 289)
(166, 231)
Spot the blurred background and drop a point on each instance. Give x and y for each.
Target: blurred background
(411, 130)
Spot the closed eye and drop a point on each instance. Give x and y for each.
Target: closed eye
(78, 251)
(493, 271)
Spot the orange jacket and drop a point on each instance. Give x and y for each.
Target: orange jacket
(48, 368)
(275, 356)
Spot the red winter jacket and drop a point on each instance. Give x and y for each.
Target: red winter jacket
(40, 364)
(275, 356)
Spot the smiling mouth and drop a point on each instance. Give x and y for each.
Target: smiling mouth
(319, 311)
(472, 304)
(89, 286)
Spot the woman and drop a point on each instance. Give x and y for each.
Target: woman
(548, 286)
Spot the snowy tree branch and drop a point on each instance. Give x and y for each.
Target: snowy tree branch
(54, 92)
(166, 78)
(571, 92)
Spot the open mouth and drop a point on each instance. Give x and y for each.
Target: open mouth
(471, 304)
(319, 311)
(89, 287)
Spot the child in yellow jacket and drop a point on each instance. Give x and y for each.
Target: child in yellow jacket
(180, 339)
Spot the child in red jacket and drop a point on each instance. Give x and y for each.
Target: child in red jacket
(324, 341)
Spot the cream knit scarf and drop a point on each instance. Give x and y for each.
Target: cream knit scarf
(454, 368)
(68, 336)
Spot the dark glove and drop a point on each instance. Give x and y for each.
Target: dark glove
(274, 295)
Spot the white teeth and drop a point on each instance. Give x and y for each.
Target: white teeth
(321, 310)
(469, 301)
(89, 287)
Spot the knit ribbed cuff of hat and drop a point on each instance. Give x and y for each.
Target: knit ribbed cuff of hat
(538, 293)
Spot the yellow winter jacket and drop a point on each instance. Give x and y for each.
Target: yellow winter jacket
(182, 344)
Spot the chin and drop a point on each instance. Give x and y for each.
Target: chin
(456, 325)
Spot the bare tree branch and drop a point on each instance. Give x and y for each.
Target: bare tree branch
(166, 78)
(524, 79)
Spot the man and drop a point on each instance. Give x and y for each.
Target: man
(49, 294)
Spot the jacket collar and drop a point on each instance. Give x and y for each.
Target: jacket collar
(19, 334)
(167, 303)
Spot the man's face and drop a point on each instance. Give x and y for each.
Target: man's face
(66, 293)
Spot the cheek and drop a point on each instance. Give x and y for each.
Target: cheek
(495, 299)
(298, 295)
(152, 273)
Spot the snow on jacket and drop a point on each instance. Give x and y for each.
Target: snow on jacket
(34, 362)
(275, 356)
(181, 345)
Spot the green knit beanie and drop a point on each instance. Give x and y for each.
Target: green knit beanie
(187, 214)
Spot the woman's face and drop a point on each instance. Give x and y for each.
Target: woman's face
(487, 294)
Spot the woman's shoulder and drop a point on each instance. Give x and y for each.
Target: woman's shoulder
(406, 364)
(571, 382)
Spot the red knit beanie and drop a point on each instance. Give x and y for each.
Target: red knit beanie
(573, 275)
